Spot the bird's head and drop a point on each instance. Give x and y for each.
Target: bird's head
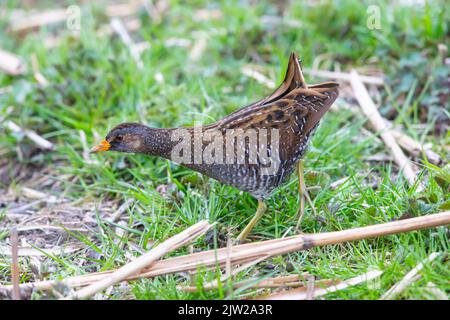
(126, 137)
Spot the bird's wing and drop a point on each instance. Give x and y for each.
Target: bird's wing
(293, 79)
(294, 116)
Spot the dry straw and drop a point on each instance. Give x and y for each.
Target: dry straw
(250, 252)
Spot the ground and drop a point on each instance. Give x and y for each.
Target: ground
(64, 201)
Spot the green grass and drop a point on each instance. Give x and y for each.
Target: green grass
(95, 84)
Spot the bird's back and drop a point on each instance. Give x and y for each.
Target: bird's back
(278, 127)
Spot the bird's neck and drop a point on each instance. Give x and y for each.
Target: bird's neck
(157, 142)
(180, 145)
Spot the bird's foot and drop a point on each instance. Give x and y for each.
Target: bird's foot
(259, 213)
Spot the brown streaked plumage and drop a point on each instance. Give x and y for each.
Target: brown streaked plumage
(294, 109)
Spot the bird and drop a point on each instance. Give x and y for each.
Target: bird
(254, 149)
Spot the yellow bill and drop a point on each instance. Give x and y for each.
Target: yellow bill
(103, 146)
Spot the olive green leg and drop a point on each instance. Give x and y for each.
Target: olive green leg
(301, 192)
(259, 212)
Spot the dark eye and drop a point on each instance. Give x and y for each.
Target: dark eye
(118, 139)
